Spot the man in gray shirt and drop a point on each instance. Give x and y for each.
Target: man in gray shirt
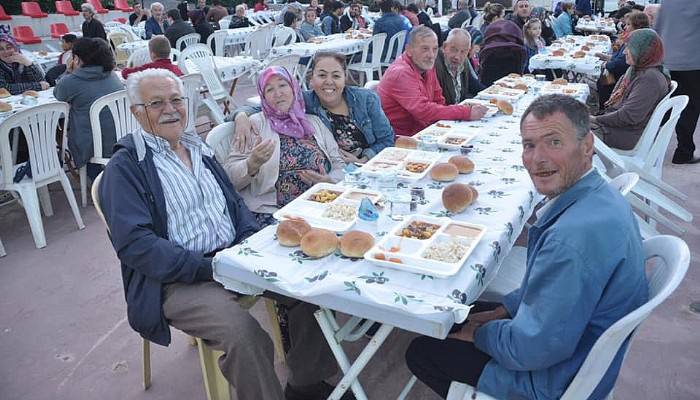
(676, 24)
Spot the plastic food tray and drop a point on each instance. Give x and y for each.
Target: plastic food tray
(397, 159)
(571, 89)
(492, 109)
(313, 211)
(408, 254)
(500, 93)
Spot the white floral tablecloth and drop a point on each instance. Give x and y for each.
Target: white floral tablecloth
(230, 68)
(584, 25)
(506, 199)
(131, 47)
(588, 65)
(45, 97)
(238, 35)
(337, 43)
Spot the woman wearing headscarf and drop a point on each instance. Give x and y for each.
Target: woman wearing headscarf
(473, 57)
(636, 95)
(17, 72)
(547, 30)
(503, 52)
(295, 150)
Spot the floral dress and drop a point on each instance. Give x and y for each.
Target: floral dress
(347, 134)
(297, 155)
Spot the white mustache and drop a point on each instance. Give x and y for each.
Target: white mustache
(170, 117)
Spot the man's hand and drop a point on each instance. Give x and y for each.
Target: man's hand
(486, 316)
(312, 177)
(350, 158)
(466, 334)
(259, 156)
(244, 135)
(44, 85)
(603, 56)
(21, 59)
(477, 112)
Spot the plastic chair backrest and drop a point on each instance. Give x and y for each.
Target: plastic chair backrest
(3, 14)
(624, 182)
(290, 62)
(219, 39)
(59, 29)
(372, 85)
(377, 44)
(219, 139)
(395, 44)
(117, 104)
(192, 84)
(225, 22)
(174, 55)
(99, 8)
(23, 31)
(284, 36)
(201, 56)
(95, 194)
(665, 276)
(465, 24)
(259, 42)
(139, 57)
(65, 7)
(38, 124)
(122, 5)
(32, 9)
(187, 40)
(653, 161)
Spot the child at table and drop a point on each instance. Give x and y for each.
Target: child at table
(57, 71)
(534, 44)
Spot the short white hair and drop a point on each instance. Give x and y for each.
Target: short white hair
(459, 32)
(87, 7)
(157, 5)
(133, 83)
(240, 7)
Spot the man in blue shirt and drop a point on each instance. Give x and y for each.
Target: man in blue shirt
(585, 271)
(390, 23)
(331, 23)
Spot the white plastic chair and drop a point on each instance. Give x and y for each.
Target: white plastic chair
(219, 39)
(219, 139)
(465, 24)
(284, 36)
(259, 42)
(624, 182)
(397, 41)
(116, 38)
(224, 23)
(174, 55)
(666, 274)
(117, 104)
(139, 57)
(39, 125)
(372, 85)
(374, 64)
(193, 88)
(201, 56)
(187, 40)
(2, 250)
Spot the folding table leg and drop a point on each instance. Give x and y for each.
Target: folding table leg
(351, 371)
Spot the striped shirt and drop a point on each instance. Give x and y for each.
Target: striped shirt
(198, 219)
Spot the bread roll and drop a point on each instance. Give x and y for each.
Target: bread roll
(5, 107)
(31, 93)
(406, 142)
(585, 48)
(579, 54)
(505, 107)
(521, 86)
(463, 163)
(290, 232)
(444, 172)
(4, 93)
(558, 53)
(355, 244)
(560, 81)
(456, 197)
(513, 75)
(475, 193)
(319, 243)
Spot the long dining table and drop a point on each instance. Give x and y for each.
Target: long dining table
(395, 298)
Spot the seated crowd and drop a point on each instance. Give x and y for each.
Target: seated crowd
(165, 232)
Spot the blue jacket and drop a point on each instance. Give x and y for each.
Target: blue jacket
(562, 25)
(152, 28)
(133, 204)
(330, 25)
(365, 111)
(618, 63)
(391, 24)
(585, 271)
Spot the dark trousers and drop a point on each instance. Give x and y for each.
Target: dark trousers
(689, 85)
(439, 362)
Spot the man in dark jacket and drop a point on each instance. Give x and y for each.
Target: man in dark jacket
(170, 207)
(461, 16)
(453, 69)
(521, 13)
(92, 27)
(177, 27)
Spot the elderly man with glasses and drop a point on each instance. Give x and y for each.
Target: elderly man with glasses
(170, 207)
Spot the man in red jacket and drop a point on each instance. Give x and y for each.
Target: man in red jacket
(159, 50)
(410, 92)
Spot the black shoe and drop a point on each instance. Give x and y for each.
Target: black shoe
(319, 391)
(681, 160)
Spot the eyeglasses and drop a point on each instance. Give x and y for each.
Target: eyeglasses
(159, 105)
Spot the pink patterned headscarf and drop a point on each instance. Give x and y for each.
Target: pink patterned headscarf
(293, 122)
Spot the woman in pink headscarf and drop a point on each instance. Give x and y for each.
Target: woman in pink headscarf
(295, 150)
